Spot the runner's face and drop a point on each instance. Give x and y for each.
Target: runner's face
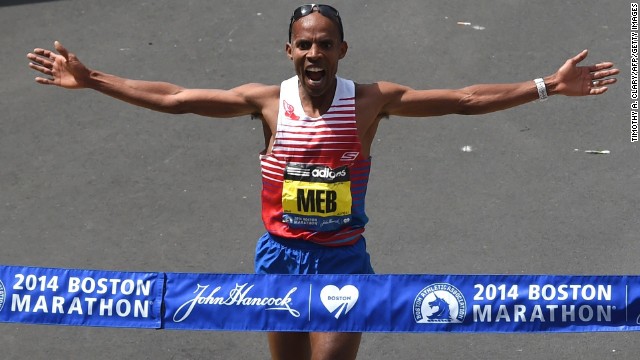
(315, 50)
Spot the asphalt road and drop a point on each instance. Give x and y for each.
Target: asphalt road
(89, 182)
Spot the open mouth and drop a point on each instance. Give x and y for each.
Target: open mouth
(315, 74)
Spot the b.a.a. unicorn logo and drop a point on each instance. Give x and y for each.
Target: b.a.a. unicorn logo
(3, 295)
(439, 303)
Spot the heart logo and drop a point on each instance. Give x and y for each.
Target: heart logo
(339, 301)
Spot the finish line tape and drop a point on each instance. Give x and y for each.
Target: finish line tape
(360, 303)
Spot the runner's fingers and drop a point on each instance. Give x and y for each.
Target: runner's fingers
(44, 81)
(601, 66)
(39, 60)
(43, 69)
(604, 82)
(45, 53)
(578, 58)
(600, 83)
(598, 90)
(604, 73)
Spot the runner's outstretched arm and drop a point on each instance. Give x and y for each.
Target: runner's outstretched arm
(569, 80)
(65, 70)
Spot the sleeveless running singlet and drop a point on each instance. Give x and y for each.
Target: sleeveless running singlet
(315, 179)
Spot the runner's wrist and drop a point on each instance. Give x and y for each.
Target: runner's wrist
(551, 84)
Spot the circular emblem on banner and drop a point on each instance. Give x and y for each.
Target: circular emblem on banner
(2, 295)
(439, 303)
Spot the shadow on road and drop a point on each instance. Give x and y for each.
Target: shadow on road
(21, 2)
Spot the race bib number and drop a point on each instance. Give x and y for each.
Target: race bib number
(316, 197)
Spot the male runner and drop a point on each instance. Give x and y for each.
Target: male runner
(318, 134)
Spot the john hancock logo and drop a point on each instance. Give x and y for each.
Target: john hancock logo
(238, 296)
(339, 301)
(439, 303)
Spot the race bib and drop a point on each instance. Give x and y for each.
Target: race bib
(316, 197)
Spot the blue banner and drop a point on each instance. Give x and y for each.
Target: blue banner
(403, 303)
(352, 303)
(277, 302)
(80, 297)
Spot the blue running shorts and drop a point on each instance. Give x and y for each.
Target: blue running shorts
(276, 255)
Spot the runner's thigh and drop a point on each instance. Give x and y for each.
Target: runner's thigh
(289, 346)
(334, 346)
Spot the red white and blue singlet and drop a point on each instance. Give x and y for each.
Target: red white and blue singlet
(315, 179)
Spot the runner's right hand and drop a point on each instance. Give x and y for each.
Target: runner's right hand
(63, 68)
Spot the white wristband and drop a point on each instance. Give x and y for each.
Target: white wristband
(542, 89)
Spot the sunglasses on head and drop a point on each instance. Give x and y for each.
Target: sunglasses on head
(324, 10)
